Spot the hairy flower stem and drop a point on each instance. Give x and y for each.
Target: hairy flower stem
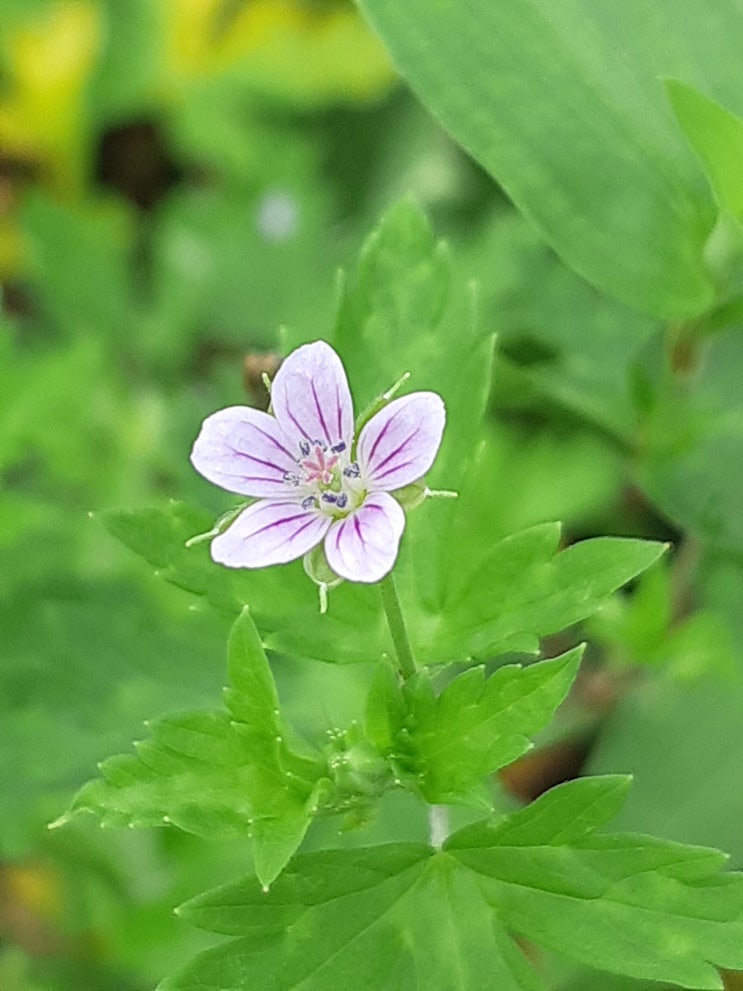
(396, 623)
(438, 825)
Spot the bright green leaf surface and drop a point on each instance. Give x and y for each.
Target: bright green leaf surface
(561, 103)
(403, 916)
(216, 773)
(518, 590)
(478, 725)
(716, 136)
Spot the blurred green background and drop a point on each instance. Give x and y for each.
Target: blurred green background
(178, 180)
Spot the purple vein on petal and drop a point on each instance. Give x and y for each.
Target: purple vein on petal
(394, 453)
(253, 478)
(320, 417)
(339, 411)
(275, 442)
(357, 528)
(378, 475)
(297, 424)
(287, 519)
(259, 461)
(378, 439)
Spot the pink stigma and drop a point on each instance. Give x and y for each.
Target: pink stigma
(319, 466)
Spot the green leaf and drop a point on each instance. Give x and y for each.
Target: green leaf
(371, 919)
(385, 707)
(217, 773)
(404, 916)
(84, 664)
(399, 296)
(561, 104)
(565, 345)
(282, 599)
(684, 747)
(716, 135)
(691, 464)
(478, 725)
(563, 815)
(518, 590)
(664, 900)
(641, 629)
(159, 535)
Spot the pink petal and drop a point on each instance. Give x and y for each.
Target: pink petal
(243, 450)
(398, 445)
(271, 531)
(310, 396)
(363, 546)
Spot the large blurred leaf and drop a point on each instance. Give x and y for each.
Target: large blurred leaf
(683, 745)
(562, 102)
(682, 740)
(80, 260)
(83, 666)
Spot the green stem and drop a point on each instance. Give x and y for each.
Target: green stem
(396, 623)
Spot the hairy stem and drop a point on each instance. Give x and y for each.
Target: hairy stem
(396, 623)
(438, 825)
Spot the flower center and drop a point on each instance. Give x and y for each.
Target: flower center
(326, 478)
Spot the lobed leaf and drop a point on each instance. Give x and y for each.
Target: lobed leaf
(217, 773)
(520, 590)
(478, 725)
(404, 916)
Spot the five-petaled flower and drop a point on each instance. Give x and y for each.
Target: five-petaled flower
(312, 480)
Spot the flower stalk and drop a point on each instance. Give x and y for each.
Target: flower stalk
(398, 630)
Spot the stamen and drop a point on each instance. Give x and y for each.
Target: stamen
(337, 448)
(330, 497)
(304, 447)
(321, 444)
(352, 470)
(290, 478)
(309, 502)
(341, 500)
